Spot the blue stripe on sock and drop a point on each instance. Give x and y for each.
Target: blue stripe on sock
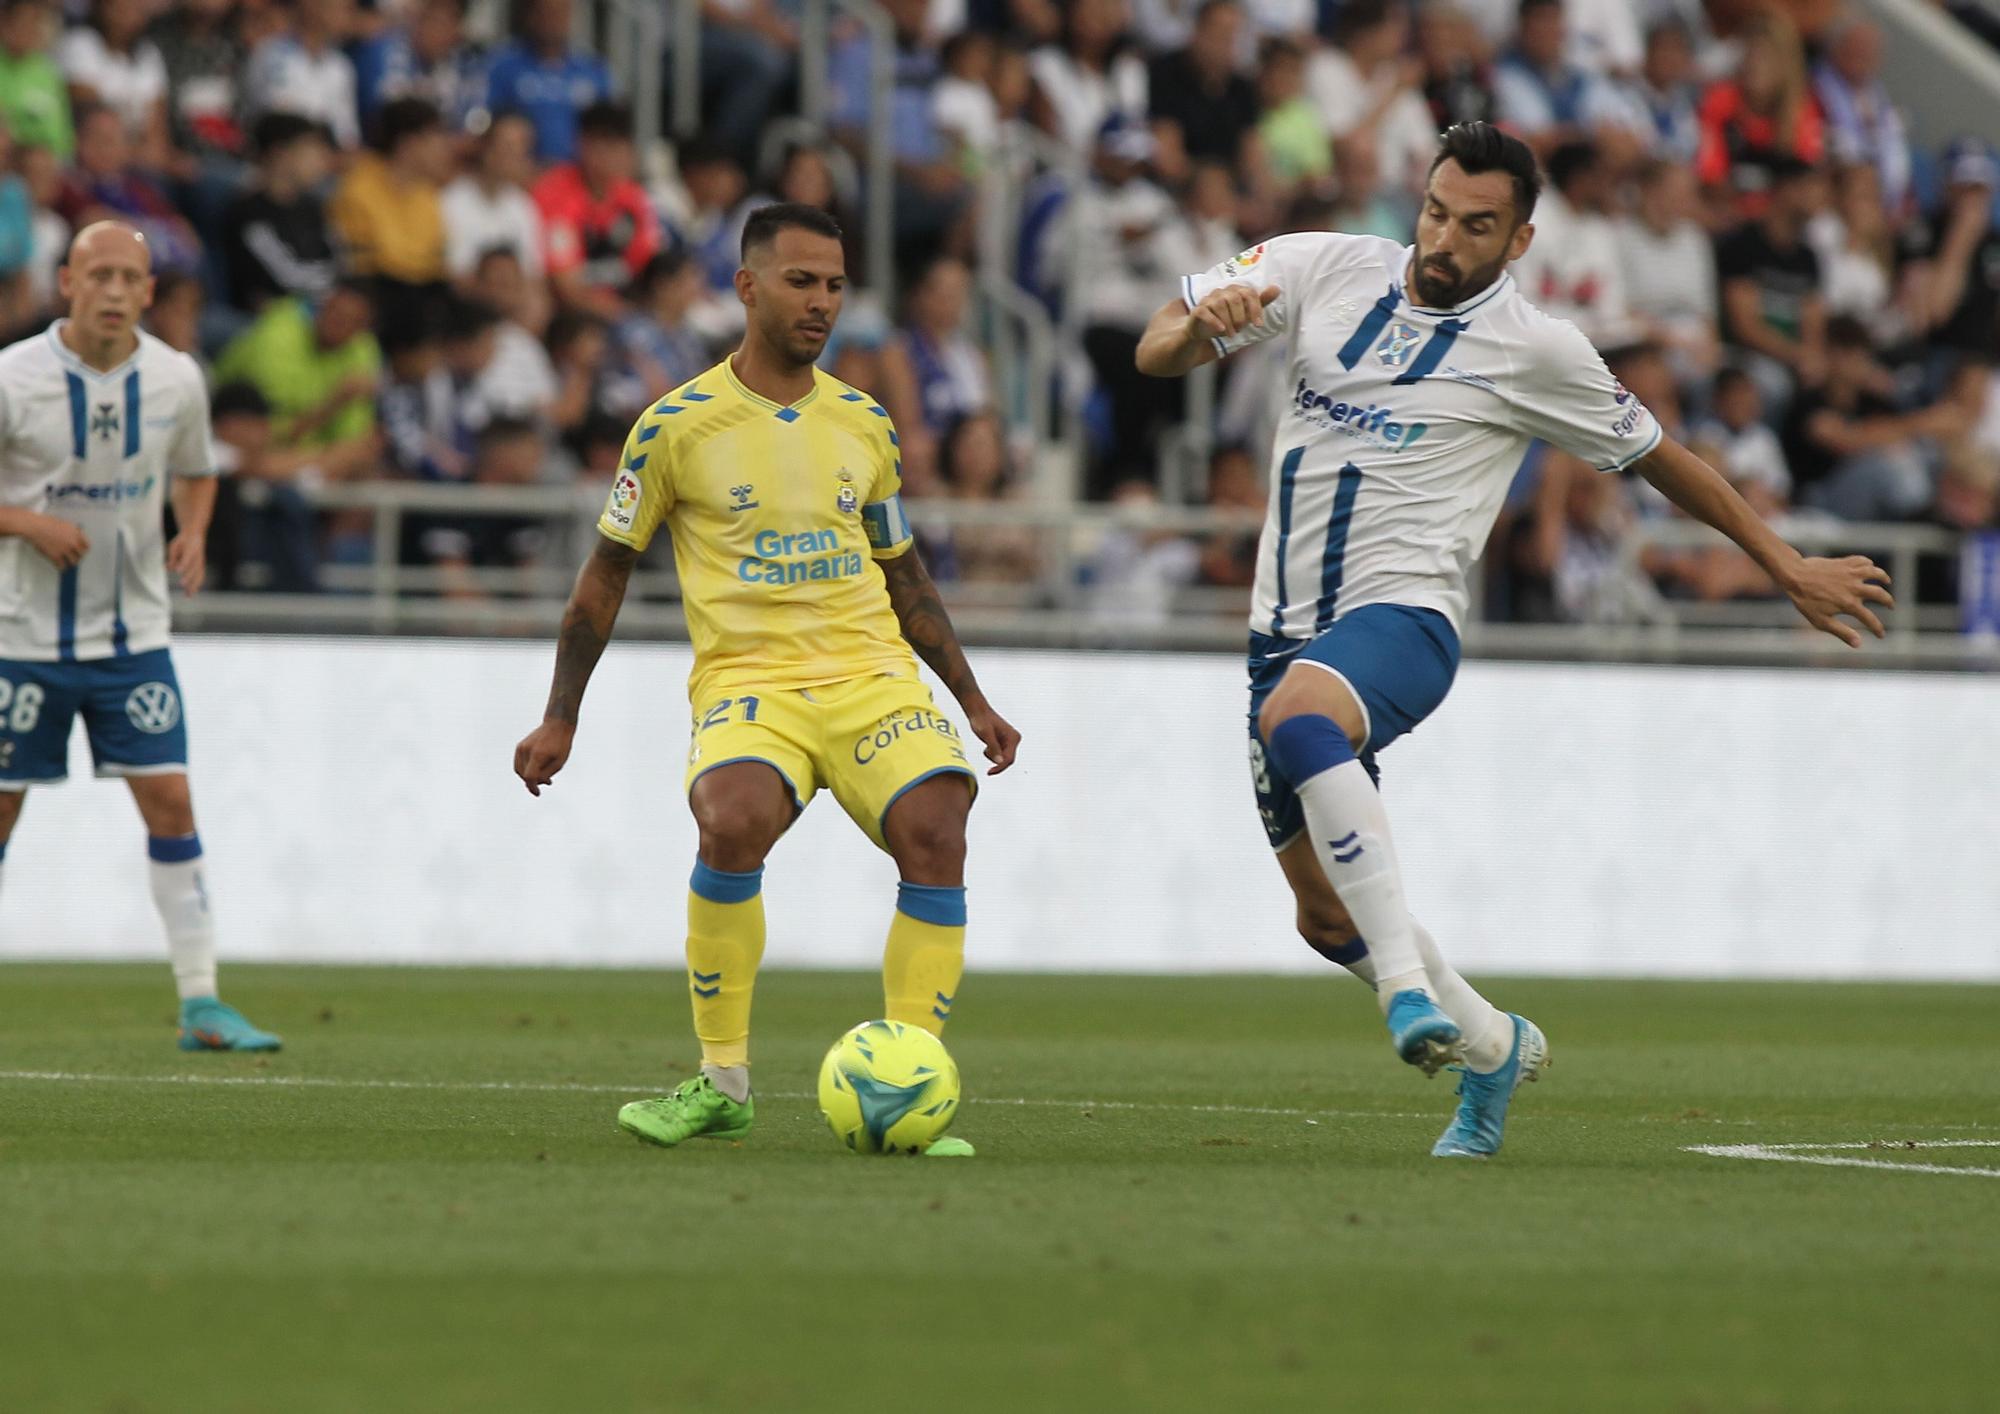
(932, 903)
(721, 886)
(173, 849)
(1303, 747)
(1347, 954)
(3, 851)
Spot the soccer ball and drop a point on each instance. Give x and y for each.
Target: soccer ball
(888, 1088)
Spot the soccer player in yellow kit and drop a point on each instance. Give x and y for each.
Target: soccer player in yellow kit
(805, 596)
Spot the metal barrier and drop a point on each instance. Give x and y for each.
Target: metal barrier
(1060, 605)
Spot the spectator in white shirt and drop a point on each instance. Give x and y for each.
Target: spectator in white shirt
(1572, 270)
(1668, 262)
(1857, 255)
(489, 207)
(1365, 85)
(1862, 123)
(1089, 76)
(305, 71)
(1751, 454)
(110, 61)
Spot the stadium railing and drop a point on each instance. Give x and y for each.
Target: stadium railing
(1066, 603)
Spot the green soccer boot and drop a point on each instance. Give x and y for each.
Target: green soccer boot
(696, 1110)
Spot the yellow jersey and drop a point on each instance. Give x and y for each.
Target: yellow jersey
(778, 515)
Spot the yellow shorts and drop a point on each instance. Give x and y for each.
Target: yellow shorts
(867, 740)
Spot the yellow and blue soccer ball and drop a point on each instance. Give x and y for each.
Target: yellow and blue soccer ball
(888, 1088)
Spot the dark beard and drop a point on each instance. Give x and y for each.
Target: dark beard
(1442, 292)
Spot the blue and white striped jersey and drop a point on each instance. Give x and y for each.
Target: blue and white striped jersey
(1403, 426)
(96, 449)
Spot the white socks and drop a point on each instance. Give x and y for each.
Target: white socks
(181, 896)
(731, 1080)
(1488, 1031)
(1350, 835)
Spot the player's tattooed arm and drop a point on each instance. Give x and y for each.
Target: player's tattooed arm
(928, 628)
(588, 619)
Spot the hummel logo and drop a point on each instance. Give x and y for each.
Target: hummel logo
(741, 496)
(1353, 838)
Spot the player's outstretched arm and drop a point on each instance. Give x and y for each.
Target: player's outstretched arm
(1179, 339)
(928, 628)
(1822, 590)
(588, 619)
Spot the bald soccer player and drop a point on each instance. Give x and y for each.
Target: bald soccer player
(99, 423)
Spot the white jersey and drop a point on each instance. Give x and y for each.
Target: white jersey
(1403, 426)
(96, 449)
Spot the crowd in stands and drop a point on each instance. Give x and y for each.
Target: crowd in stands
(421, 239)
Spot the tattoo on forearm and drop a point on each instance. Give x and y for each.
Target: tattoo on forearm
(925, 624)
(587, 623)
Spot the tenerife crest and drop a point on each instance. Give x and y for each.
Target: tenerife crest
(1394, 350)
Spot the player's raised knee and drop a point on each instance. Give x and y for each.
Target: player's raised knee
(1307, 691)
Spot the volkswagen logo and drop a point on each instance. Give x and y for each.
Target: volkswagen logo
(154, 708)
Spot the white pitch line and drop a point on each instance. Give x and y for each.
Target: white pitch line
(647, 1087)
(1817, 1154)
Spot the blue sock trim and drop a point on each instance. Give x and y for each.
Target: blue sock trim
(932, 903)
(173, 849)
(3, 851)
(1303, 747)
(1347, 954)
(721, 886)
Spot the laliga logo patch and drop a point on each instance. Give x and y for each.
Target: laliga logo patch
(154, 708)
(625, 494)
(1394, 350)
(1244, 261)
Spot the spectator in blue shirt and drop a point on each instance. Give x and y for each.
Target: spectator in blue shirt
(540, 75)
(426, 58)
(931, 188)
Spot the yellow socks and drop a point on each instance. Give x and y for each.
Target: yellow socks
(725, 944)
(926, 955)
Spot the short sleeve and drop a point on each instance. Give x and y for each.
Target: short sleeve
(193, 453)
(1569, 399)
(643, 490)
(882, 515)
(1280, 261)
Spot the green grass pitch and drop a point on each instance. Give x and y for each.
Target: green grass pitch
(1192, 1194)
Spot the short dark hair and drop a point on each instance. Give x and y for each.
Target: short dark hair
(1570, 161)
(275, 132)
(1844, 331)
(1730, 376)
(404, 118)
(1481, 147)
(466, 318)
(660, 269)
(605, 118)
(767, 221)
(238, 399)
(1528, 7)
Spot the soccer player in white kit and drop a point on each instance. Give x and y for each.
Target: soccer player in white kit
(98, 419)
(1416, 378)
